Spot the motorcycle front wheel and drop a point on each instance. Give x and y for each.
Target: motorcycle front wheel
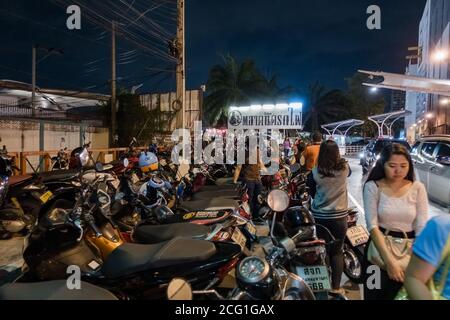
(353, 265)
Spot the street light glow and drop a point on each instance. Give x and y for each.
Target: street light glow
(429, 115)
(439, 56)
(444, 102)
(373, 89)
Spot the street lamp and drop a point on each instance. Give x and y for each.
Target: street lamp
(429, 115)
(444, 102)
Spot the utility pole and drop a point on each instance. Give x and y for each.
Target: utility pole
(181, 75)
(181, 83)
(113, 84)
(33, 81)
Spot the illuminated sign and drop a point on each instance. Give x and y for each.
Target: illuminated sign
(279, 116)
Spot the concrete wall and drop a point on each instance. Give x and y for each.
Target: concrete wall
(21, 136)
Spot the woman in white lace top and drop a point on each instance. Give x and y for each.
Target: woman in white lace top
(395, 203)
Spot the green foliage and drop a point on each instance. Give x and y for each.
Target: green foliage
(238, 83)
(364, 103)
(324, 106)
(134, 120)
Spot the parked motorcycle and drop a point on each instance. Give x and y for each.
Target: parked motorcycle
(354, 245)
(72, 236)
(258, 278)
(309, 259)
(61, 160)
(20, 200)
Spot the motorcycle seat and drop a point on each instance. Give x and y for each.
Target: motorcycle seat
(150, 234)
(210, 204)
(59, 175)
(131, 258)
(16, 180)
(53, 290)
(226, 193)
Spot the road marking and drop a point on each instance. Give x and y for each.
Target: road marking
(356, 203)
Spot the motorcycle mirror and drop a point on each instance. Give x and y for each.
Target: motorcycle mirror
(278, 200)
(99, 167)
(179, 289)
(125, 162)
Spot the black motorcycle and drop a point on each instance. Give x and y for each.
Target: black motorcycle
(130, 270)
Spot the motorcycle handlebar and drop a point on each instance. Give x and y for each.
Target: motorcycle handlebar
(89, 219)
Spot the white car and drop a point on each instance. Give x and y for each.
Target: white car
(431, 159)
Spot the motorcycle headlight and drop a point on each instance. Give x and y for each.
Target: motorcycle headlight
(84, 157)
(57, 216)
(103, 199)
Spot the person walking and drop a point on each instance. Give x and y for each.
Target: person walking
(287, 147)
(395, 205)
(328, 186)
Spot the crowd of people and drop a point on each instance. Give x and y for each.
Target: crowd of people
(396, 213)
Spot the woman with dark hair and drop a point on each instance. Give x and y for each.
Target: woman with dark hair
(396, 205)
(328, 185)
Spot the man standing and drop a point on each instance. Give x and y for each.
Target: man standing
(312, 151)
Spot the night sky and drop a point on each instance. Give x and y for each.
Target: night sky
(299, 41)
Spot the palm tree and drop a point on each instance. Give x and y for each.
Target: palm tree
(235, 83)
(325, 106)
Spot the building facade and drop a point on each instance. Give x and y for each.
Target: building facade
(433, 111)
(397, 100)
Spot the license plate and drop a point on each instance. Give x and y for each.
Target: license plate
(239, 237)
(316, 277)
(357, 235)
(46, 196)
(250, 228)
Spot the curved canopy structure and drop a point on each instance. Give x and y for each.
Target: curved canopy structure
(346, 125)
(387, 120)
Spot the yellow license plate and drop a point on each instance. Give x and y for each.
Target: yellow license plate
(44, 198)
